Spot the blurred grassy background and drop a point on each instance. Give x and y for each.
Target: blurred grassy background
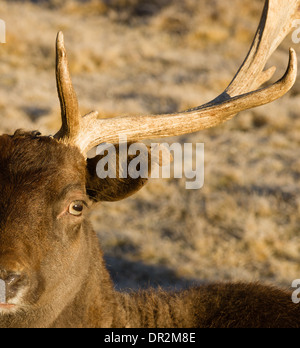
(142, 56)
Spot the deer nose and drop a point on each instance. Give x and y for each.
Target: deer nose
(13, 282)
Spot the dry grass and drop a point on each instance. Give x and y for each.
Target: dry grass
(141, 56)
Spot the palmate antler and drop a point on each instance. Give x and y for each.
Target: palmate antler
(242, 93)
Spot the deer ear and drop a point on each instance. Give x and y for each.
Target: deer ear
(116, 173)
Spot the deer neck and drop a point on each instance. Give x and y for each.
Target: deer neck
(96, 301)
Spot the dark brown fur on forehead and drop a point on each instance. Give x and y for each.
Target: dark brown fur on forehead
(29, 157)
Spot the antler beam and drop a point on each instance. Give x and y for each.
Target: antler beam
(242, 93)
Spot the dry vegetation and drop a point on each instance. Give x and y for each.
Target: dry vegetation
(142, 56)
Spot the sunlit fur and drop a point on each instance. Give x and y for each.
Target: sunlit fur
(67, 283)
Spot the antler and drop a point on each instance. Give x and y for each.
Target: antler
(87, 132)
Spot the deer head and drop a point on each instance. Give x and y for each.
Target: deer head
(48, 251)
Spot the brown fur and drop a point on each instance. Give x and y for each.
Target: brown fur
(109, 189)
(65, 282)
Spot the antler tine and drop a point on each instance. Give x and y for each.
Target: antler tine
(67, 96)
(276, 23)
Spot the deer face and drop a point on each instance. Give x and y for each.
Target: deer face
(43, 202)
(46, 188)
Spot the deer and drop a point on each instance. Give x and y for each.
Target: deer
(51, 264)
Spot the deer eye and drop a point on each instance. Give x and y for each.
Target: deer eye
(76, 208)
